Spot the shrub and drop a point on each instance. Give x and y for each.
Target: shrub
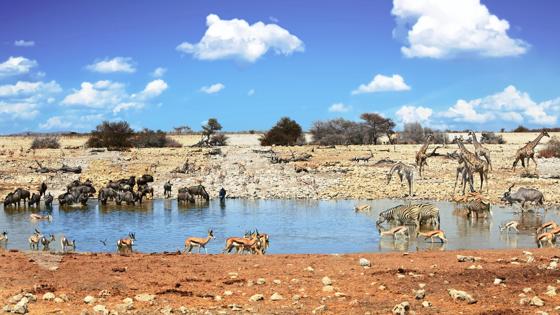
(285, 132)
(551, 150)
(414, 133)
(492, 138)
(153, 139)
(112, 135)
(338, 132)
(377, 126)
(45, 143)
(218, 139)
(521, 129)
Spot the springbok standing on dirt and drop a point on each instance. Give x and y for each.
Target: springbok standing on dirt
(432, 235)
(64, 242)
(198, 242)
(127, 242)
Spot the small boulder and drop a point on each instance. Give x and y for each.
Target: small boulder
(49, 296)
(420, 294)
(89, 299)
(536, 301)
(261, 281)
(364, 262)
(256, 298)
(144, 297)
(319, 309)
(426, 304)
(326, 281)
(461, 295)
(276, 297)
(100, 309)
(401, 309)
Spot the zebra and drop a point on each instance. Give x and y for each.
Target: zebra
(417, 213)
(404, 171)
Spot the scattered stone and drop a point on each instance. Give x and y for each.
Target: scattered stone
(228, 293)
(104, 293)
(167, 310)
(401, 309)
(276, 281)
(64, 297)
(498, 281)
(296, 297)
(426, 304)
(474, 267)
(542, 313)
(536, 301)
(100, 309)
(552, 265)
(261, 281)
(49, 296)
(21, 306)
(217, 298)
(399, 276)
(89, 299)
(256, 298)
(14, 299)
(326, 281)
(419, 294)
(364, 262)
(550, 291)
(461, 295)
(309, 269)
(276, 297)
(233, 275)
(381, 287)
(319, 309)
(328, 288)
(183, 310)
(144, 297)
(30, 297)
(421, 285)
(530, 259)
(58, 300)
(527, 290)
(340, 294)
(461, 258)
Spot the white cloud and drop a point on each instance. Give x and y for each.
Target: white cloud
(409, 114)
(23, 99)
(117, 64)
(339, 108)
(72, 121)
(55, 122)
(237, 39)
(251, 92)
(25, 88)
(18, 110)
(24, 43)
(159, 72)
(382, 83)
(444, 29)
(113, 95)
(214, 88)
(16, 66)
(509, 105)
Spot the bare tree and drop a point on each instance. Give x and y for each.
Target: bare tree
(377, 125)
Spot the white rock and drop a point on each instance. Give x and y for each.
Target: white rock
(536, 301)
(276, 297)
(364, 262)
(144, 297)
(100, 309)
(326, 281)
(256, 298)
(89, 299)
(49, 296)
(261, 281)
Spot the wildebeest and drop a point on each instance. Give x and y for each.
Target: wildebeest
(48, 200)
(127, 196)
(523, 195)
(144, 179)
(222, 194)
(198, 190)
(21, 194)
(106, 194)
(184, 196)
(42, 189)
(9, 200)
(167, 189)
(144, 190)
(34, 200)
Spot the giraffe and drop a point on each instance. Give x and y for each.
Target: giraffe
(475, 164)
(421, 156)
(528, 151)
(479, 150)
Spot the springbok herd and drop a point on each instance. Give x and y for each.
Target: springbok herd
(123, 190)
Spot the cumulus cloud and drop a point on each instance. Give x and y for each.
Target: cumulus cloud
(25, 88)
(24, 43)
(16, 66)
(159, 72)
(237, 39)
(444, 29)
(55, 122)
(71, 121)
(18, 110)
(339, 108)
(214, 88)
(382, 83)
(23, 99)
(410, 114)
(117, 64)
(113, 95)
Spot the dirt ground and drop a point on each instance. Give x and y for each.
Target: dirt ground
(224, 284)
(245, 173)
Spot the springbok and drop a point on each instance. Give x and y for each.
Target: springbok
(34, 240)
(35, 216)
(127, 242)
(64, 242)
(251, 243)
(433, 234)
(545, 237)
(265, 241)
(546, 226)
(362, 208)
(47, 241)
(396, 231)
(198, 242)
(510, 225)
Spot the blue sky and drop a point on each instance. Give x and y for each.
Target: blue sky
(67, 65)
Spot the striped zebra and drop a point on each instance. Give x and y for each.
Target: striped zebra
(417, 213)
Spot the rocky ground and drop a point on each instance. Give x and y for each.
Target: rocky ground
(432, 282)
(247, 173)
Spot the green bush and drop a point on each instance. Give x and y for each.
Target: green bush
(285, 132)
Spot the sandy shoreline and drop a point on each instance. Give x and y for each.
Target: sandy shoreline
(224, 284)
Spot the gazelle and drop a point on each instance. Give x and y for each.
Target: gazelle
(250, 242)
(254, 246)
(432, 235)
(47, 241)
(35, 216)
(362, 208)
(546, 226)
(127, 242)
(198, 242)
(4, 237)
(545, 237)
(34, 240)
(510, 225)
(396, 231)
(64, 242)
(265, 241)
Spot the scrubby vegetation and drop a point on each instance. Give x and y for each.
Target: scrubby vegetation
(338, 132)
(492, 138)
(153, 139)
(551, 150)
(414, 133)
(285, 132)
(211, 135)
(45, 143)
(111, 135)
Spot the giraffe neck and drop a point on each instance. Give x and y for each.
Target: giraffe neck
(475, 140)
(531, 145)
(425, 146)
(467, 155)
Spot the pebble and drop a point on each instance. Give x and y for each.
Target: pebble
(550, 291)
(276, 281)
(364, 262)
(256, 298)
(340, 294)
(296, 297)
(421, 285)
(100, 309)
(461, 295)
(261, 281)
(461, 258)
(58, 300)
(228, 293)
(49, 296)
(536, 301)
(144, 297)
(401, 309)
(420, 294)
(381, 287)
(326, 281)
(426, 304)
(527, 290)
(319, 309)
(498, 281)
(21, 306)
(328, 288)
(276, 297)
(309, 269)
(89, 299)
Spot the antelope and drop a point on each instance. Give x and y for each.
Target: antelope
(254, 246)
(362, 208)
(4, 237)
(35, 216)
(47, 241)
(126, 242)
(546, 226)
(432, 234)
(250, 242)
(394, 232)
(510, 225)
(265, 241)
(64, 242)
(198, 242)
(545, 237)
(34, 240)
